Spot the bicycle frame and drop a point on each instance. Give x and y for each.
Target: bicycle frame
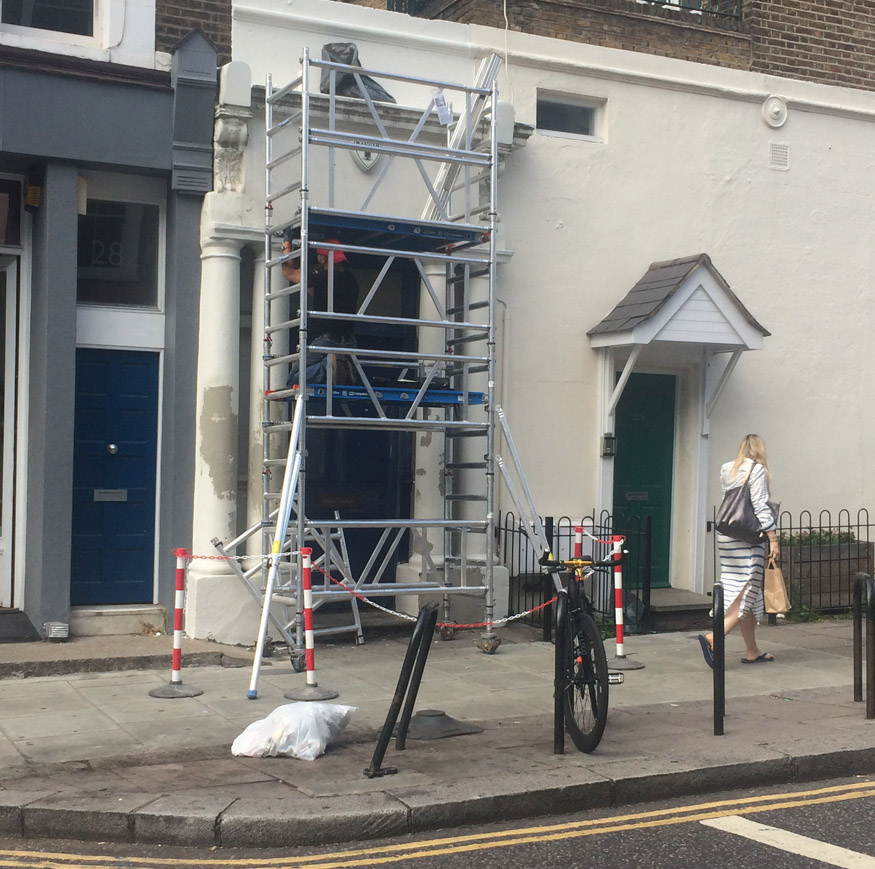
(581, 675)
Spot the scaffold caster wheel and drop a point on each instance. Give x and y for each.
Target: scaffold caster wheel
(448, 632)
(489, 645)
(299, 663)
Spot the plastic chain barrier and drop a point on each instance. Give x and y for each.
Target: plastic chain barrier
(411, 618)
(375, 605)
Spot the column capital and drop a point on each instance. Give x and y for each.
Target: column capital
(222, 222)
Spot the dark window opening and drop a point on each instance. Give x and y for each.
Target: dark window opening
(566, 117)
(62, 16)
(118, 254)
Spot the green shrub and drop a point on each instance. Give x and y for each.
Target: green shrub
(817, 537)
(802, 613)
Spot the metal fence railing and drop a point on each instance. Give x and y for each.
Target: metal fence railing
(723, 8)
(820, 557)
(529, 586)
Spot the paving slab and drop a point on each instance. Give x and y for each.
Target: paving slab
(90, 755)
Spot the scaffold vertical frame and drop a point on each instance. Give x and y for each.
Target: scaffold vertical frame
(448, 392)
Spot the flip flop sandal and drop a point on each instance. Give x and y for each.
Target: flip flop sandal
(765, 658)
(707, 651)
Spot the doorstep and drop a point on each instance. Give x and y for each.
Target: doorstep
(16, 627)
(678, 609)
(104, 621)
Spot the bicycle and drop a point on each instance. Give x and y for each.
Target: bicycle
(585, 695)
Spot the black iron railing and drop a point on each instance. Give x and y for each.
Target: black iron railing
(724, 8)
(529, 587)
(820, 556)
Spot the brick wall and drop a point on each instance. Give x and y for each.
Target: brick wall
(624, 24)
(175, 19)
(828, 41)
(633, 26)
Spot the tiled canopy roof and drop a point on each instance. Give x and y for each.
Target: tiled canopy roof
(659, 283)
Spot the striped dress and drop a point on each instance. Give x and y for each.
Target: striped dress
(741, 564)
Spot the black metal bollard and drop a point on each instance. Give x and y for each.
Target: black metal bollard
(560, 672)
(864, 581)
(547, 587)
(718, 653)
(646, 559)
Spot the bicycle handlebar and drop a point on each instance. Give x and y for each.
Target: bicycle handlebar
(547, 560)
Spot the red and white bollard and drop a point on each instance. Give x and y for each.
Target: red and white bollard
(175, 688)
(616, 547)
(311, 691)
(620, 661)
(578, 541)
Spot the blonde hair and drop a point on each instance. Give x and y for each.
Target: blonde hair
(752, 446)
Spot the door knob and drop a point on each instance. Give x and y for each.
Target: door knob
(112, 449)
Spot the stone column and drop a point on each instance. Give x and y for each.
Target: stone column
(218, 605)
(215, 596)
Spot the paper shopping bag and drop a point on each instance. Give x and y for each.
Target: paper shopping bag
(774, 590)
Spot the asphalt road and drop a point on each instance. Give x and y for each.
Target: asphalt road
(824, 824)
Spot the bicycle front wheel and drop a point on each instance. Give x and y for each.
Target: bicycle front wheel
(586, 687)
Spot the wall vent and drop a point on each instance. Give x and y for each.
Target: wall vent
(779, 156)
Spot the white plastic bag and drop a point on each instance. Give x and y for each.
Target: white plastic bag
(302, 730)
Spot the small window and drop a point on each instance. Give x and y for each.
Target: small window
(118, 254)
(570, 116)
(62, 16)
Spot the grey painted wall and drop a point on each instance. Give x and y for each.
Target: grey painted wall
(51, 387)
(57, 123)
(91, 122)
(180, 376)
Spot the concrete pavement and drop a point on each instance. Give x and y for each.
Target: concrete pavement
(86, 753)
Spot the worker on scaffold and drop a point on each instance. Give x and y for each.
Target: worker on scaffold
(322, 331)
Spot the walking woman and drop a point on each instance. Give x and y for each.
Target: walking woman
(741, 564)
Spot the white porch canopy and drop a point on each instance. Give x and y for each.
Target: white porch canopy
(682, 311)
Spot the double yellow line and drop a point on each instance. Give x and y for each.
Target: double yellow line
(379, 856)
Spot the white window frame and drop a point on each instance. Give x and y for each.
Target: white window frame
(9, 284)
(131, 327)
(15, 456)
(36, 33)
(595, 104)
(123, 32)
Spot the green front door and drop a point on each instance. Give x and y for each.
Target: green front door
(644, 426)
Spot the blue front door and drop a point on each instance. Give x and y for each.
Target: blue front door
(114, 458)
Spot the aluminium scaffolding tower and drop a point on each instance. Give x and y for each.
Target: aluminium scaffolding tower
(440, 385)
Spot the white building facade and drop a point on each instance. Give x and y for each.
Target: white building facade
(684, 259)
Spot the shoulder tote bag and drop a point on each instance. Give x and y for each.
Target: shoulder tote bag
(736, 517)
